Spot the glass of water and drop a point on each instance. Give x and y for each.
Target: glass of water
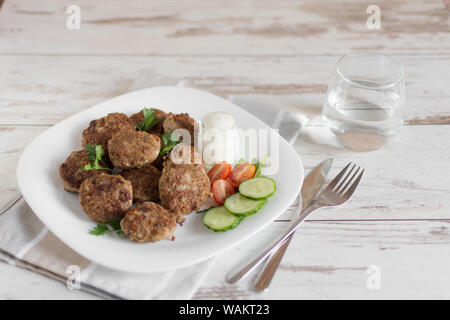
(364, 102)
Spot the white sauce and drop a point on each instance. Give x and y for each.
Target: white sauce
(219, 120)
(220, 138)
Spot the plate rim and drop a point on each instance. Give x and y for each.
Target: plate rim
(60, 234)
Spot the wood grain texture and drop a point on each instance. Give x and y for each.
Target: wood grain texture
(399, 182)
(19, 284)
(12, 142)
(47, 89)
(189, 27)
(329, 260)
(274, 53)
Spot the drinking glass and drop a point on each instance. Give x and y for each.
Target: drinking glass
(364, 102)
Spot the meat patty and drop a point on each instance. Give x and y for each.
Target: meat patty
(183, 187)
(159, 162)
(106, 196)
(133, 149)
(159, 114)
(145, 183)
(68, 170)
(101, 130)
(148, 222)
(180, 121)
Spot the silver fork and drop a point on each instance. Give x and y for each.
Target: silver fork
(336, 193)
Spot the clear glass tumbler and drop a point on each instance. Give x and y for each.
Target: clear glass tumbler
(364, 102)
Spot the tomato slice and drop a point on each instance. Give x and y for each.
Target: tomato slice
(220, 171)
(222, 189)
(231, 182)
(242, 172)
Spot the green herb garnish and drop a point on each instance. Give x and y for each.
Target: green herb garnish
(149, 120)
(240, 161)
(104, 228)
(115, 224)
(100, 229)
(170, 140)
(95, 153)
(259, 165)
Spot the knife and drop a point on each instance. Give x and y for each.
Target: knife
(311, 186)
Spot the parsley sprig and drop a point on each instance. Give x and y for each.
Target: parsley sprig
(259, 165)
(170, 140)
(104, 228)
(149, 120)
(240, 161)
(95, 153)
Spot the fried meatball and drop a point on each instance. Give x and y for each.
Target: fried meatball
(159, 162)
(183, 187)
(68, 170)
(133, 149)
(148, 222)
(101, 130)
(106, 196)
(180, 121)
(159, 114)
(145, 183)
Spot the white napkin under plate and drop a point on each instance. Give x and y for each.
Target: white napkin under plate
(27, 243)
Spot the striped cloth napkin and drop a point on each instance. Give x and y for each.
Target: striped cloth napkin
(27, 243)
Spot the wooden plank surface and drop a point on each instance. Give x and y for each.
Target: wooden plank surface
(46, 89)
(274, 53)
(417, 191)
(326, 260)
(329, 260)
(236, 27)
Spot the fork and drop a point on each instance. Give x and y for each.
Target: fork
(338, 191)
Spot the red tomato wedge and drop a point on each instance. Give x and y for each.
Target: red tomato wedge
(242, 172)
(222, 189)
(220, 171)
(231, 182)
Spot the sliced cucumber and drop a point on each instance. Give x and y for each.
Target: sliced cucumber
(220, 219)
(239, 205)
(258, 188)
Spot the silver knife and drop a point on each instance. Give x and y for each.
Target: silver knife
(311, 186)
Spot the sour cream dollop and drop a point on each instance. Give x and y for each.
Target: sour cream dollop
(220, 138)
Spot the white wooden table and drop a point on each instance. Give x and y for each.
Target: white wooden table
(280, 53)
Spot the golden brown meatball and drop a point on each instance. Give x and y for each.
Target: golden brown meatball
(101, 130)
(145, 183)
(180, 121)
(183, 187)
(133, 149)
(68, 170)
(148, 222)
(106, 196)
(159, 162)
(159, 114)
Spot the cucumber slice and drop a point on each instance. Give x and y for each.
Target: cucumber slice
(258, 188)
(220, 219)
(239, 205)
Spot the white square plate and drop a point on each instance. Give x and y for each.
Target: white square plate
(60, 211)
